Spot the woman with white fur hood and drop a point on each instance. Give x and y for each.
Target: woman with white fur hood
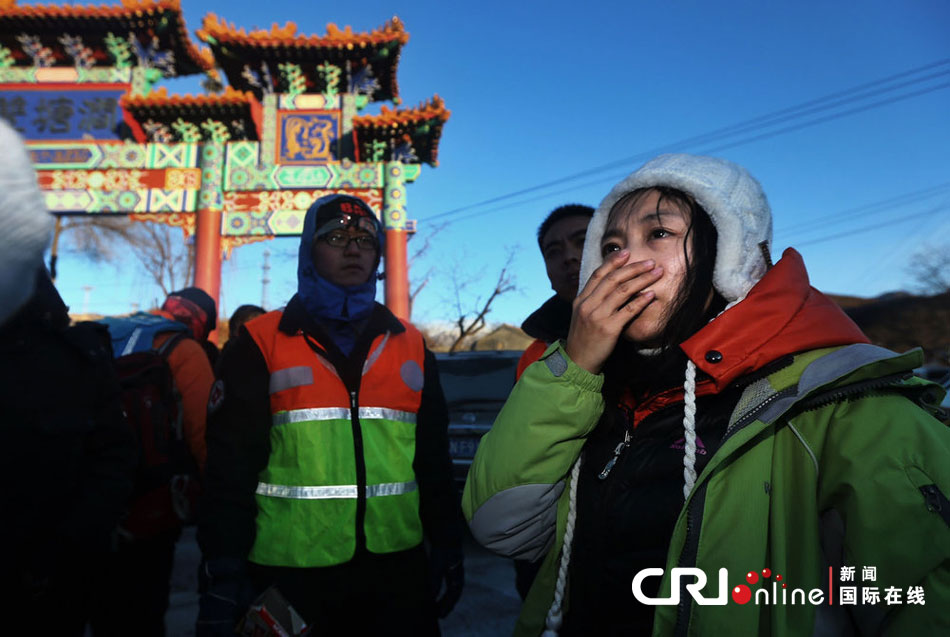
(711, 411)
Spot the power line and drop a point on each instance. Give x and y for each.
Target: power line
(849, 233)
(872, 208)
(811, 106)
(712, 149)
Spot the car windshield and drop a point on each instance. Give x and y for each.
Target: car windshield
(473, 380)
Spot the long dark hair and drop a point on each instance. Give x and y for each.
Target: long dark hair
(627, 368)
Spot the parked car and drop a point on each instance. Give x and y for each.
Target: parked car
(476, 385)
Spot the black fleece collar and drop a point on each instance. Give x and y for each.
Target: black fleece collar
(549, 322)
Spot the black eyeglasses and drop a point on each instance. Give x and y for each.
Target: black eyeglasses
(341, 240)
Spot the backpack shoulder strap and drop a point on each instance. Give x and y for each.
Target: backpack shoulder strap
(166, 348)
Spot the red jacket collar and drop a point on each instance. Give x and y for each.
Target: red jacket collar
(781, 315)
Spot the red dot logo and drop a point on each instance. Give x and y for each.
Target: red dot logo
(752, 577)
(766, 573)
(778, 578)
(741, 594)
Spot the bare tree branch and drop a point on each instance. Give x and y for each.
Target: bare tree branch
(95, 236)
(416, 283)
(468, 327)
(930, 269)
(163, 254)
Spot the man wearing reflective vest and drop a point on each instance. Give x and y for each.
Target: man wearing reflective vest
(328, 453)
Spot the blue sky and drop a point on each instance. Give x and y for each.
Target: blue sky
(540, 91)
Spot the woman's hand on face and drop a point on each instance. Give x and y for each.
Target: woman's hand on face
(610, 299)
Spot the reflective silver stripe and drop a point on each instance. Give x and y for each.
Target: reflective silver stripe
(304, 415)
(390, 488)
(130, 346)
(290, 377)
(343, 491)
(376, 352)
(341, 413)
(369, 413)
(307, 493)
(330, 368)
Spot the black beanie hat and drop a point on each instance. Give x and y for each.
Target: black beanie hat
(204, 301)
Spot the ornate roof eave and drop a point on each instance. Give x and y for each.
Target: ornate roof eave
(137, 108)
(433, 109)
(233, 48)
(195, 60)
(417, 130)
(214, 30)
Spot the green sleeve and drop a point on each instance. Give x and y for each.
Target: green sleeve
(518, 474)
(883, 484)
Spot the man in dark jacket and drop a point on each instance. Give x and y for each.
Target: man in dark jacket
(328, 453)
(66, 457)
(561, 239)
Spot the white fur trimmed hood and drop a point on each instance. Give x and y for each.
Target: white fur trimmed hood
(26, 221)
(732, 197)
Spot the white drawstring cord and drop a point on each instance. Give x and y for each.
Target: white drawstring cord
(554, 618)
(689, 428)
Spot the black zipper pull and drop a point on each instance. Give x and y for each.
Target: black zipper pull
(932, 497)
(613, 460)
(353, 401)
(936, 501)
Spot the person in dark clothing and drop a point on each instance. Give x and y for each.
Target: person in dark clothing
(66, 457)
(240, 316)
(195, 308)
(561, 240)
(328, 453)
(138, 579)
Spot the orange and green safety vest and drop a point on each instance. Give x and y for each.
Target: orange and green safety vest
(321, 437)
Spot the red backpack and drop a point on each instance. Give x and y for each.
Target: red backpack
(166, 483)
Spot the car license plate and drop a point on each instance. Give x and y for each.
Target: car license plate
(463, 447)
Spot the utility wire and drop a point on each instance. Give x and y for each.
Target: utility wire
(849, 233)
(811, 106)
(712, 149)
(865, 209)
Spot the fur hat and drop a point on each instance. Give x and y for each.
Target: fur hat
(27, 224)
(732, 197)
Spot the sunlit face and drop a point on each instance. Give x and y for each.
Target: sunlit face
(347, 264)
(652, 232)
(562, 247)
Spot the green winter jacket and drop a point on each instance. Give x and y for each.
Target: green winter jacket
(835, 460)
(826, 463)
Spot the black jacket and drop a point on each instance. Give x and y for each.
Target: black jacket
(549, 322)
(238, 438)
(67, 456)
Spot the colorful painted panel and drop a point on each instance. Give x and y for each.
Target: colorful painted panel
(307, 137)
(63, 111)
(170, 179)
(89, 155)
(278, 213)
(148, 201)
(309, 101)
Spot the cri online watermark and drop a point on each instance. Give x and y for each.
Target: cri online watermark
(849, 594)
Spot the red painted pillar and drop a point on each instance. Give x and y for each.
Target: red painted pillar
(394, 221)
(208, 222)
(208, 253)
(397, 273)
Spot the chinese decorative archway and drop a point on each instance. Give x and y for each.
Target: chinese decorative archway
(239, 164)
